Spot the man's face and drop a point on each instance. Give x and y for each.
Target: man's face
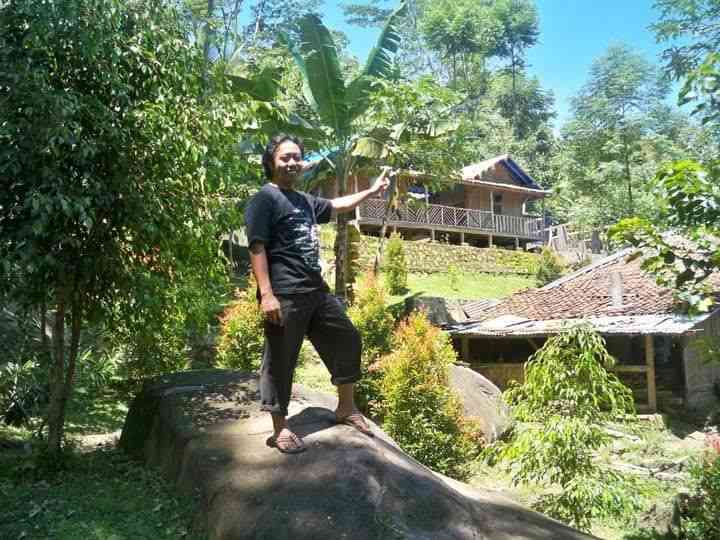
(287, 163)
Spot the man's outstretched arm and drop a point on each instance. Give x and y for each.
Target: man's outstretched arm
(349, 202)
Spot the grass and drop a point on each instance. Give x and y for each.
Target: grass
(311, 372)
(99, 493)
(465, 285)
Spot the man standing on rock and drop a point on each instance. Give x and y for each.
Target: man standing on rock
(282, 230)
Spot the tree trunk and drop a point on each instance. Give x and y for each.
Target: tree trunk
(43, 330)
(206, 46)
(56, 411)
(63, 368)
(383, 227)
(341, 243)
(628, 177)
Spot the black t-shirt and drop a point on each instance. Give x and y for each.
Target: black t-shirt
(285, 221)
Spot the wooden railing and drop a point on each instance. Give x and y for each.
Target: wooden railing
(450, 216)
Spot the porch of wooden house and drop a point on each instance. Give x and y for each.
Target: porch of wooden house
(651, 366)
(452, 224)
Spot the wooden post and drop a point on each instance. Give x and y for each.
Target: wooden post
(490, 240)
(462, 238)
(432, 234)
(357, 208)
(650, 361)
(465, 348)
(517, 243)
(492, 202)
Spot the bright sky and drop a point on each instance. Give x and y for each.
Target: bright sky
(572, 34)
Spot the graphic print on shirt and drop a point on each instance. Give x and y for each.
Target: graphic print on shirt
(306, 238)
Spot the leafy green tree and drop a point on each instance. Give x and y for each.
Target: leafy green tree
(682, 247)
(111, 155)
(522, 101)
(693, 29)
(519, 30)
(685, 259)
(567, 395)
(338, 104)
(610, 111)
(462, 33)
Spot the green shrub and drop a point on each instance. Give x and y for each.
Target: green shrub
(701, 519)
(241, 334)
(549, 267)
(567, 394)
(395, 267)
(373, 319)
(419, 410)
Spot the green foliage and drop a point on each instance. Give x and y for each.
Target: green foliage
(394, 266)
(23, 393)
(241, 341)
(339, 104)
(567, 394)
(684, 260)
(610, 132)
(699, 519)
(549, 267)
(372, 318)
(691, 27)
(113, 154)
(569, 376)
(419, 410)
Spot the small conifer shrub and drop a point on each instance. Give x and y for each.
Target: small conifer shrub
(373, 319)
(420, 411)
(395, 267)
(242, 338)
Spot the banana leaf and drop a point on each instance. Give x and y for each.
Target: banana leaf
(379, 63)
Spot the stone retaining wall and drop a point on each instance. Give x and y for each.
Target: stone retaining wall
(433, 257)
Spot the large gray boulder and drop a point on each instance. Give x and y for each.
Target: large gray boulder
(482, 401)
(440, 311)
(205, 431)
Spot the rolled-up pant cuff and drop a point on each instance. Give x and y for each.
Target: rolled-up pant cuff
(348, 379)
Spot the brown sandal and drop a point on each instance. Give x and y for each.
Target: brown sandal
(287, 443)
(357, 421)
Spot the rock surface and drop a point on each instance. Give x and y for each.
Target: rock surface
(204, 429)
(482, 401)
(440, 311)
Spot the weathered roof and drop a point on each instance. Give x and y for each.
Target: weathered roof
(592, 294)
(476, 173)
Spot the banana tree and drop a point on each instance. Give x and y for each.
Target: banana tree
(339, 104)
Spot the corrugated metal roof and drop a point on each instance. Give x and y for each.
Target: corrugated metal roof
(513, 326)
(614, 295)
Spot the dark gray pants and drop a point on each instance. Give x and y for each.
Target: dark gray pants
(321, 317)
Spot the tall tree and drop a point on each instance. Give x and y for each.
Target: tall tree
(111, 153)
(462, 33)
(610, 112)
(519, 30)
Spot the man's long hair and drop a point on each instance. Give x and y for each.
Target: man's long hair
(272, 146)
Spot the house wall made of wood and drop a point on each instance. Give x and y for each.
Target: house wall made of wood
(701, 377)
(328, 189)
(478, 198)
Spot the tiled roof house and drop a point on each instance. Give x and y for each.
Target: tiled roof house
(640, 320)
